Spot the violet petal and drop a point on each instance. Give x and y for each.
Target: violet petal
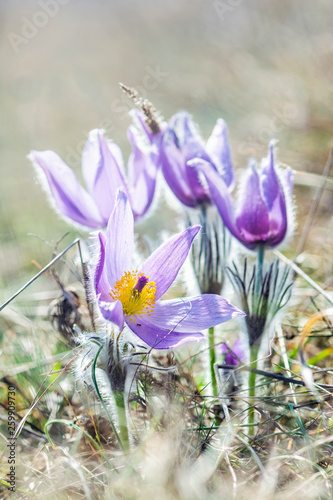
(102, 287)
(235, 355)
(112, 311)
(182, 125)
(70, 198)
(219, 149)
(140, 120)
(101, 172)
(174, 171)
(142, 173)
(273, 195)
(189, 140)
(220, 195)
(288, 176)
(160, 338)
(253, 217)
(193, 314)
(164, 264)
(120, 239)
(198, 190)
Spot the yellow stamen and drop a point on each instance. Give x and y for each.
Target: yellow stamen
(133, 301)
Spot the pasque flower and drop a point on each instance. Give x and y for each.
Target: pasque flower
(103, 173)
(181, 144)
(260, 218)
(131, 296)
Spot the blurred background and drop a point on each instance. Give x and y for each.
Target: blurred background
(265, 67)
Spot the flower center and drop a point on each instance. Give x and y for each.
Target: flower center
(136, 293)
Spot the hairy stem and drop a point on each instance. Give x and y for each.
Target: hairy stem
(212, 359)
(93, 373)
(122, 420)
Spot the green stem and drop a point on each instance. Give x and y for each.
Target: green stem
(255, 340)
(254, 349)
(122, 420)
(252, 389)
(212, 359)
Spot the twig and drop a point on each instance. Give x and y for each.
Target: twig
(50, 264)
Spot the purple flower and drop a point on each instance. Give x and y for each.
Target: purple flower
(181, 144)
(235, 355)
(103, 173)
(132, 296)
(260, 218)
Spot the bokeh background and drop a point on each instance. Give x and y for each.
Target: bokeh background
(265, 67)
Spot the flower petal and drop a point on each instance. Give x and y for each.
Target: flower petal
(70, 198)
(102, 287)
(142, 173)
(144, 190)
(192, 314)
(139, 120)
(182, 125)
(119, 239)
(188, 138)
(101, 172)
(236, 354)
(151, 139)
(199, 192)
(270, 184)
(160, 338)
(221, 196)
(219, 150)
(174, 170)
(182, 144)
(272, 191)
(112, 311)
(191, 146)
(253, 217)
(288, 177)
(164, 264)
